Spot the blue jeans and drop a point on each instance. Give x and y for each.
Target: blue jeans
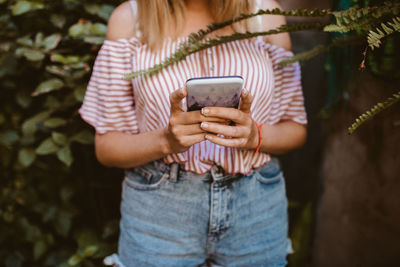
(176, 218)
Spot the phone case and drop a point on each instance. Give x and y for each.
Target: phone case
(223, 91)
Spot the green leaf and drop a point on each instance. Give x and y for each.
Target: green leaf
(49, 214)
(25, 40)
(87, 29)
(84, 137)
(29, 126)
(98, 29)
(51, 42)
(38, 39)
(301, 236)
(47, 147)
(8, 64)
(30, 54)
(63, 223)
(52, 103)
(79, 29)
(86, 238)
(90, 251)
(58, 20)
(23, 99)
(94, 40)
(54, 122)
(59, 138)
(22, 7)
(58, 70)
(103, 11)
(75, 259)
(26, 157)
(71, 59)
(48, 86)
(79, 93)
(39, 249)
(8, 137)
(65, 156)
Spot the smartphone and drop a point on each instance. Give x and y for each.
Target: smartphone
(221, 91)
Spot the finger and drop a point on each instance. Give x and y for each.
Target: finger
(246, 101)
(190, 129)
(175, 99)
(193, 139)
(193, 117)
(232, 114)
(228, 142)
(226, 130)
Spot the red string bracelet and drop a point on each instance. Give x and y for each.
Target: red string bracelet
(259, 126)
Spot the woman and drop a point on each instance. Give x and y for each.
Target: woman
(197, 191)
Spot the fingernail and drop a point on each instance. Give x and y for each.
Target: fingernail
(204, 125)
(204, 111)
(245, 92)
(207, 136)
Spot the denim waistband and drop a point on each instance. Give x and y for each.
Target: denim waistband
(175, 171)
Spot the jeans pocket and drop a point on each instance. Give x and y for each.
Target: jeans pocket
(270, 173)
(142, 179)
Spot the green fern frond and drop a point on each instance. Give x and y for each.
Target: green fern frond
(194, 37)
(374, 111)
(352, 15)
(190, 48)
(362, 19)
(361, 24)
(342, 41)
(374, 37)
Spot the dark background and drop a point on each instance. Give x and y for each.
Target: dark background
(60, 207)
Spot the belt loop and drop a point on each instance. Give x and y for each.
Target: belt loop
(173, 173)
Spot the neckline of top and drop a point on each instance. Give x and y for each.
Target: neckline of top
(258, 40)
(181, 39)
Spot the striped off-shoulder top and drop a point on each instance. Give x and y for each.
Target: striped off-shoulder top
(142, 104)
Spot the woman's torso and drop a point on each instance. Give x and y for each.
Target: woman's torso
(253, 59)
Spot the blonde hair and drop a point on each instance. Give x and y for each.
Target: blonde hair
(157, 17)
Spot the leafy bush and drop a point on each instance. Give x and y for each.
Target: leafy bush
(54, 198)
(57, 205)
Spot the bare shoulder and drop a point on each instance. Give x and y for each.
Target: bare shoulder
(121, 23)
(270, 22)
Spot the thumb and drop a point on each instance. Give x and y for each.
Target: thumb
(175, 99)
(245, 101)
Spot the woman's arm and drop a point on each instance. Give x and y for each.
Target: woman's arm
(286, 135)
(124, 150)
(271, 22)
(118, 149)
(277, 139)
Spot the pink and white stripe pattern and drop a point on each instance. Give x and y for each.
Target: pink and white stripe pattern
(142, 105)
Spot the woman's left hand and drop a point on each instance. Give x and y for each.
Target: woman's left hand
(244, 134)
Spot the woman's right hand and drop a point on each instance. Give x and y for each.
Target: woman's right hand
(183, 129)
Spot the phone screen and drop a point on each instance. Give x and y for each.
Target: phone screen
(222, 91)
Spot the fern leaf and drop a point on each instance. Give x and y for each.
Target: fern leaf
(194, 37)
(353, 16)
(374, 37)
(336, 28)
(379, 107)
(188, 48)
(386, 29)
